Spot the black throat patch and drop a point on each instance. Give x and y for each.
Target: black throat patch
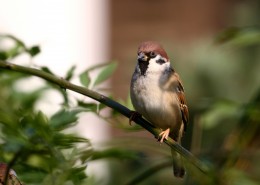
(143, 65)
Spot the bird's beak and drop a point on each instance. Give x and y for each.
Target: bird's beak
(142, 57)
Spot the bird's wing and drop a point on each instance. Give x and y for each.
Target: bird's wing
(182, 101)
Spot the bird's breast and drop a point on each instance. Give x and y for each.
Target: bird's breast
(157, 105)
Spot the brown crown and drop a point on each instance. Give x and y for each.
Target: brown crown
(151, 46)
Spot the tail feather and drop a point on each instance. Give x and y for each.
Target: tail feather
(178, 169)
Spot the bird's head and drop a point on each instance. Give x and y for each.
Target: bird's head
(152, 58)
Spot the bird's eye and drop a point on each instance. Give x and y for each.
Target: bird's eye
(152, 54)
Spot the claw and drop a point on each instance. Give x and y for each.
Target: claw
(164, 135)
(134, 114)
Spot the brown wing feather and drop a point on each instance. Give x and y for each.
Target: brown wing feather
(182, 100)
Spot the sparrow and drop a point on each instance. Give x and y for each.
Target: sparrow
(157, 94)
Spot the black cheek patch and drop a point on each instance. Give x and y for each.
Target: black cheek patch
(160, 61)
(143, 65)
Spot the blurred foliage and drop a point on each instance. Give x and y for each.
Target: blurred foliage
(104, 74)
(33, 144)
(17, 47)
(42, 149)
(223, 89)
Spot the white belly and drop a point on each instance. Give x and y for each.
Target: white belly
(158, 106)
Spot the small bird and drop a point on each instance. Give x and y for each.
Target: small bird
(157, 93)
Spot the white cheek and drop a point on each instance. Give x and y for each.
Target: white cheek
(154, 67)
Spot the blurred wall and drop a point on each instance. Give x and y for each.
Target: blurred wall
(175, 24)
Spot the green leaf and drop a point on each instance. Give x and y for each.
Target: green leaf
(227, 35)
(64, 119)
(67, 140)
(84, 78)
(3, 55)
(105, 73)
(18, 41)
(239, 36)
(47, 70)
(15, 50)
(32, 175)
(41, 118)
(70, 73)
(89, 106)
(33, 51)
(78, 174)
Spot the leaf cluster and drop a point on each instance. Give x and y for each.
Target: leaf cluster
(42, 149)
(38, 147)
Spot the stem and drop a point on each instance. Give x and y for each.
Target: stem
(108, 102)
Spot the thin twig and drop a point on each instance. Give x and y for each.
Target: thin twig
(108, 102)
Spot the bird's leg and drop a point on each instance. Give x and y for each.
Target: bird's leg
(164, 135)
(133, 115)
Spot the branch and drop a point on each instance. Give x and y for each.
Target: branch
(110, 103)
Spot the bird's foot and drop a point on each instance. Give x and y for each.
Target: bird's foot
(164, 135)
(133, 115)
